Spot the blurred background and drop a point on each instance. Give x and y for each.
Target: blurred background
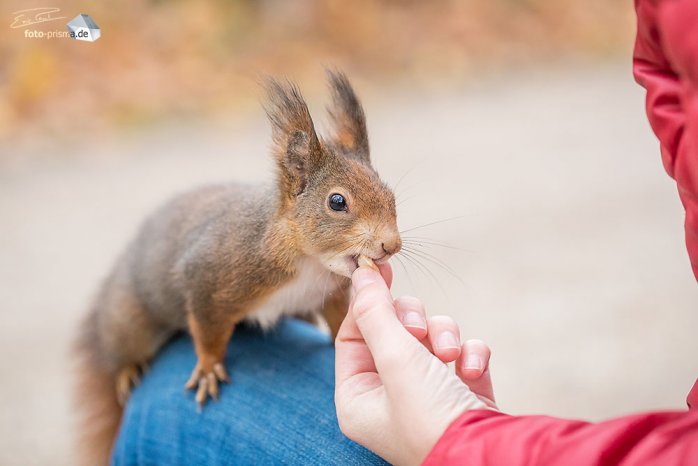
(511, 130)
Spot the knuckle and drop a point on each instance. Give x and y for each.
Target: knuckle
(410, 303)
(366, 302)
(362, 304)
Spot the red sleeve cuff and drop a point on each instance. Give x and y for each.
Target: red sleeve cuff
(443, 453)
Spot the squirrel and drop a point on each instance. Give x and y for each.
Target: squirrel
(219, 255)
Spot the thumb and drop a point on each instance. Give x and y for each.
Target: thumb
(374, 312)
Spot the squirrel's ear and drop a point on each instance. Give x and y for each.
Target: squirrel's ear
(296, 146)
(348, 118)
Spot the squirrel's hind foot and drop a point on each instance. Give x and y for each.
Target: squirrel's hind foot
(126, 379)
(205, 380)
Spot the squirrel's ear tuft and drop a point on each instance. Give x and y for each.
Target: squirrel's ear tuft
(296, 146)
(348, 118)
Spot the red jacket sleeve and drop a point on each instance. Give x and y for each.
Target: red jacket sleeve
(665, 63)
(492, 438)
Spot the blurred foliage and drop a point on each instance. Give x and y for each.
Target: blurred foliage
(163, 58)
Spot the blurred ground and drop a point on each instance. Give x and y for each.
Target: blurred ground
(571, 250)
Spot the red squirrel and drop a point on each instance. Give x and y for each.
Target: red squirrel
(218, 255)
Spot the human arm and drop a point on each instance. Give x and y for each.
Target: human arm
(665, 63)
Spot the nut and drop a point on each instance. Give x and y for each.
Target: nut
(364, 261)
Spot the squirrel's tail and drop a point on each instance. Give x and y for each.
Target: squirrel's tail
(95, 398)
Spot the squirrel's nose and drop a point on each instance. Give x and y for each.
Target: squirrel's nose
(392, 245)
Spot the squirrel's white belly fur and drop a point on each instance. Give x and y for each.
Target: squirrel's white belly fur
(305, 293)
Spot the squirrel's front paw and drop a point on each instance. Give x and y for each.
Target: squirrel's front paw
(206, 378)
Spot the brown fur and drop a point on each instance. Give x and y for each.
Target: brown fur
(207, 259)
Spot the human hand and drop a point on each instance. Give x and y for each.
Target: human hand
(393, 392)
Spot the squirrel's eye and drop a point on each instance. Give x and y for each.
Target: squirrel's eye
(337, 202)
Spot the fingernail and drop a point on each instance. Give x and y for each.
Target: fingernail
(363, 277)
(447, 340)
(414, 319)
(473, 361)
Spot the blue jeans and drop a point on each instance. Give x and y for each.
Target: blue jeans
(279, 408)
